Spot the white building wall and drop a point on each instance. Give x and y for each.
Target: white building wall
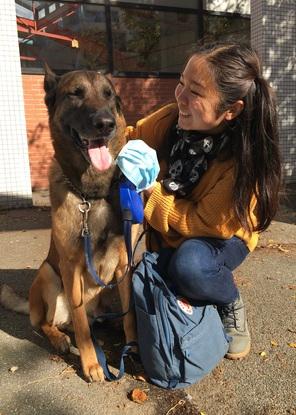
(273, 34)
(15, 183)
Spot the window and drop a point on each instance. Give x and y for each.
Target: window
(226, 28)
(151, 40)
(137, 38)
(65, 35)
(191, 4)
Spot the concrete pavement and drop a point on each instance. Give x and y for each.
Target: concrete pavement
(45, 384)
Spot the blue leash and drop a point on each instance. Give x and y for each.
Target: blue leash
(126, 351)
(132, 212)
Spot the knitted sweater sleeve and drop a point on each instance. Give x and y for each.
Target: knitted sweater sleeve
(211, 215)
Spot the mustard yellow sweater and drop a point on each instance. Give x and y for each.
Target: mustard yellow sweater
(207, 210)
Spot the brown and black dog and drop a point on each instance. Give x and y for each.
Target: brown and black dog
(88, 131)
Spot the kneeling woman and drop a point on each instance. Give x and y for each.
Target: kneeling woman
(219, 180)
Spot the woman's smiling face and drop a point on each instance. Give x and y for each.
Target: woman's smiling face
(197, 98)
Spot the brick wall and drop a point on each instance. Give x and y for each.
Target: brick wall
(139, 97)
(39, 144)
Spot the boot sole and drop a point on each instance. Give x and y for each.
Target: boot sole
(238, 356)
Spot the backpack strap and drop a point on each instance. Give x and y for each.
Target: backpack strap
(150, 261)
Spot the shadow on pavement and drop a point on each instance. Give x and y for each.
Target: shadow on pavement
(109, 334)
(287, 210)
(25, 219)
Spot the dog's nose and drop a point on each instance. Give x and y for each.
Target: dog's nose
(105, 124)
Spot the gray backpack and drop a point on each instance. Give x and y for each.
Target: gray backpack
(179, 343)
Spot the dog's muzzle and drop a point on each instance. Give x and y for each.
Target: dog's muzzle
(95, 142)
(104, 124)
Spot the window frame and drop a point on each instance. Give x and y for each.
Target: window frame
(199, 12)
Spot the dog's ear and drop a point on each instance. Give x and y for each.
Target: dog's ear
(51, 81)
(118, 104)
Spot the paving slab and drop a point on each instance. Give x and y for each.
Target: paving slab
(45, 383)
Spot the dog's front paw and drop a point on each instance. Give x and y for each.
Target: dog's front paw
(61, 342)
(93, 372)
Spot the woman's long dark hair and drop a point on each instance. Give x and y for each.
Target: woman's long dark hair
(254, 146)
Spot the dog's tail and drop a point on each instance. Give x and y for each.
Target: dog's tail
(12, 301)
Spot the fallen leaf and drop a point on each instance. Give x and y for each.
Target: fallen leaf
(141, 377)
(292, 345)
(55, 358)
(271, 244)
(263, 354)
(289, 287)
(273, 343)
(69, 370)
(13, 369)
(280, 248)
(138, 396)
(180, 402)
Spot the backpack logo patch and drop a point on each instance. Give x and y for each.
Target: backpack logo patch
(185, 306)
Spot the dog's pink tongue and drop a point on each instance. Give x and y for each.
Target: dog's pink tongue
(100, 157)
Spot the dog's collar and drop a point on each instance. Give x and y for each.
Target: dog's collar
(75, 189)
(83, 196)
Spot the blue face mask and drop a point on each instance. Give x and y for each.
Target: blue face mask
(138, 162)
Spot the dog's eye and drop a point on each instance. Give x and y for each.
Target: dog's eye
(77, 92)
(107, 93)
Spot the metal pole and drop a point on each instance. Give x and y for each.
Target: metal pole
(109, 36)
(200, 26)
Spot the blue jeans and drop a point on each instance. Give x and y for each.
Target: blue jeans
(201, 268)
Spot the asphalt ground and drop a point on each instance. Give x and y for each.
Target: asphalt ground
(35, 380)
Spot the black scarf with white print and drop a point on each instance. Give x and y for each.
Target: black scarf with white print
(190, 155)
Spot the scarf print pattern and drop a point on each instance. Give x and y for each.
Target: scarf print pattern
(189, 159)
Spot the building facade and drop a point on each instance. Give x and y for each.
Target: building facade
(141, 45)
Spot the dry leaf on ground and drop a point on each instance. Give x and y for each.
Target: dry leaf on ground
(138, 396)
(55, 358)
(69, 370)
(280, 248)
(292, 345)
(263, 354)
